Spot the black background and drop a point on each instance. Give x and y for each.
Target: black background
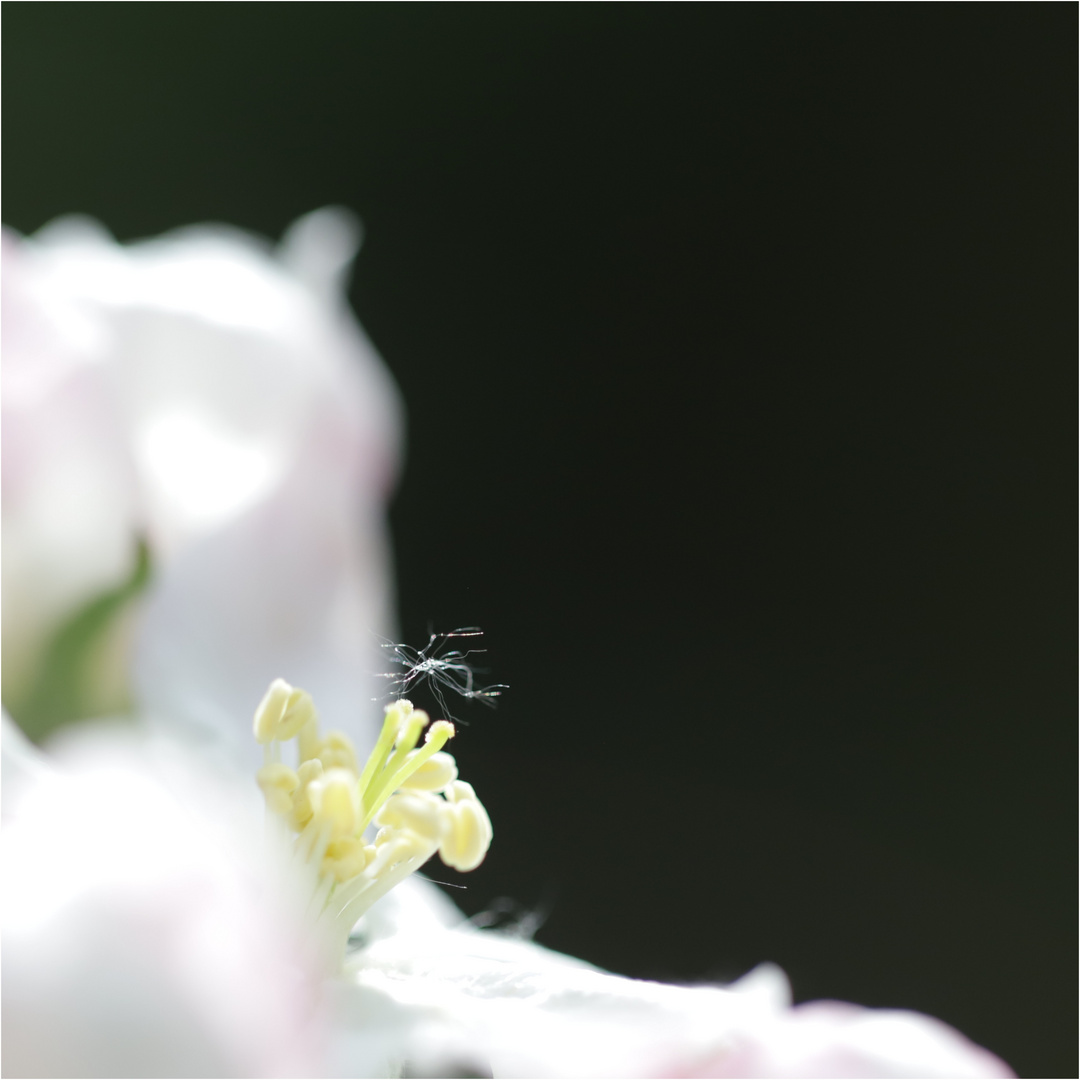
(736, 342)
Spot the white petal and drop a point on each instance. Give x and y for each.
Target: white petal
(526, 1011)
(143, 933)
(70, 505)
(319, 248)
(22, 766)
(259, 435)
(834, 1039)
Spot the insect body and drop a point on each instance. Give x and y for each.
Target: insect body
(441, 667)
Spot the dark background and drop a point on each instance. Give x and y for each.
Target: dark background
(737, 343)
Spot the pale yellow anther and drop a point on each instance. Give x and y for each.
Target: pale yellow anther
(335, 801)
(460, 791)
(438, 772)
(308, 772)
(398, 847)
(346, 857)
(468, 828)
(308, 742)
(283, 712)
(411, 792)
(418, 812)
(277, 782)
(336, 751)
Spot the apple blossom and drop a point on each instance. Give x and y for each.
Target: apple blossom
(214, 401)
(494, 1004)
(328, 801)
(197, 443)
(451, 997)
(147, 929)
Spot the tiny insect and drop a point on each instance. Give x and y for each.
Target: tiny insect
(442, 669)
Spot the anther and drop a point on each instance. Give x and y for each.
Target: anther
(277, 782)
(335, 801)
(346, 857)
(336, 752)
(308, 772)
(400, 847)
(418, 812)
(438, 772)
(469, 831)
(282, 713)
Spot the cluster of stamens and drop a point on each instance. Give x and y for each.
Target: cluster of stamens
(412, 795)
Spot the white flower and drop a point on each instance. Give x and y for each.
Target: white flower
(329, 802)
(216, 399)
(428, 993)
(481, 1001)
(145, 929)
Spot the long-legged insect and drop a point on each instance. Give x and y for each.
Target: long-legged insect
(441, 669)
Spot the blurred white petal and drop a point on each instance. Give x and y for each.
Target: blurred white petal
(21, 766)
(478, 999)
(70, 507)
(218, 398)
(835, 1039)
(144, 933)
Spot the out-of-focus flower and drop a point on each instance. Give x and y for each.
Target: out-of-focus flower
(146, 931)
(211, 404)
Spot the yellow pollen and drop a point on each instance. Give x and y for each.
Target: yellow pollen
(412, 793)
(278, 782)
(282, 713)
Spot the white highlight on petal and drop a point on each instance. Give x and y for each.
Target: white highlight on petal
(205, 474)
(147, 928)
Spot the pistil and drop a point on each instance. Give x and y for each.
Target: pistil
(413, 794)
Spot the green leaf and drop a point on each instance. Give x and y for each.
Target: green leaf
(78, 677)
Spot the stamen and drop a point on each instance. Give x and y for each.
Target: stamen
(307, 741)
(395, 716)
(346, 857)
(408, 737)
(435, 774)
(418, 812)
(308, 772)
(336, 752)
(469, 834)
(282, 712)
(413, 794)
(335, 802)
(437, 737)
(278, 782)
